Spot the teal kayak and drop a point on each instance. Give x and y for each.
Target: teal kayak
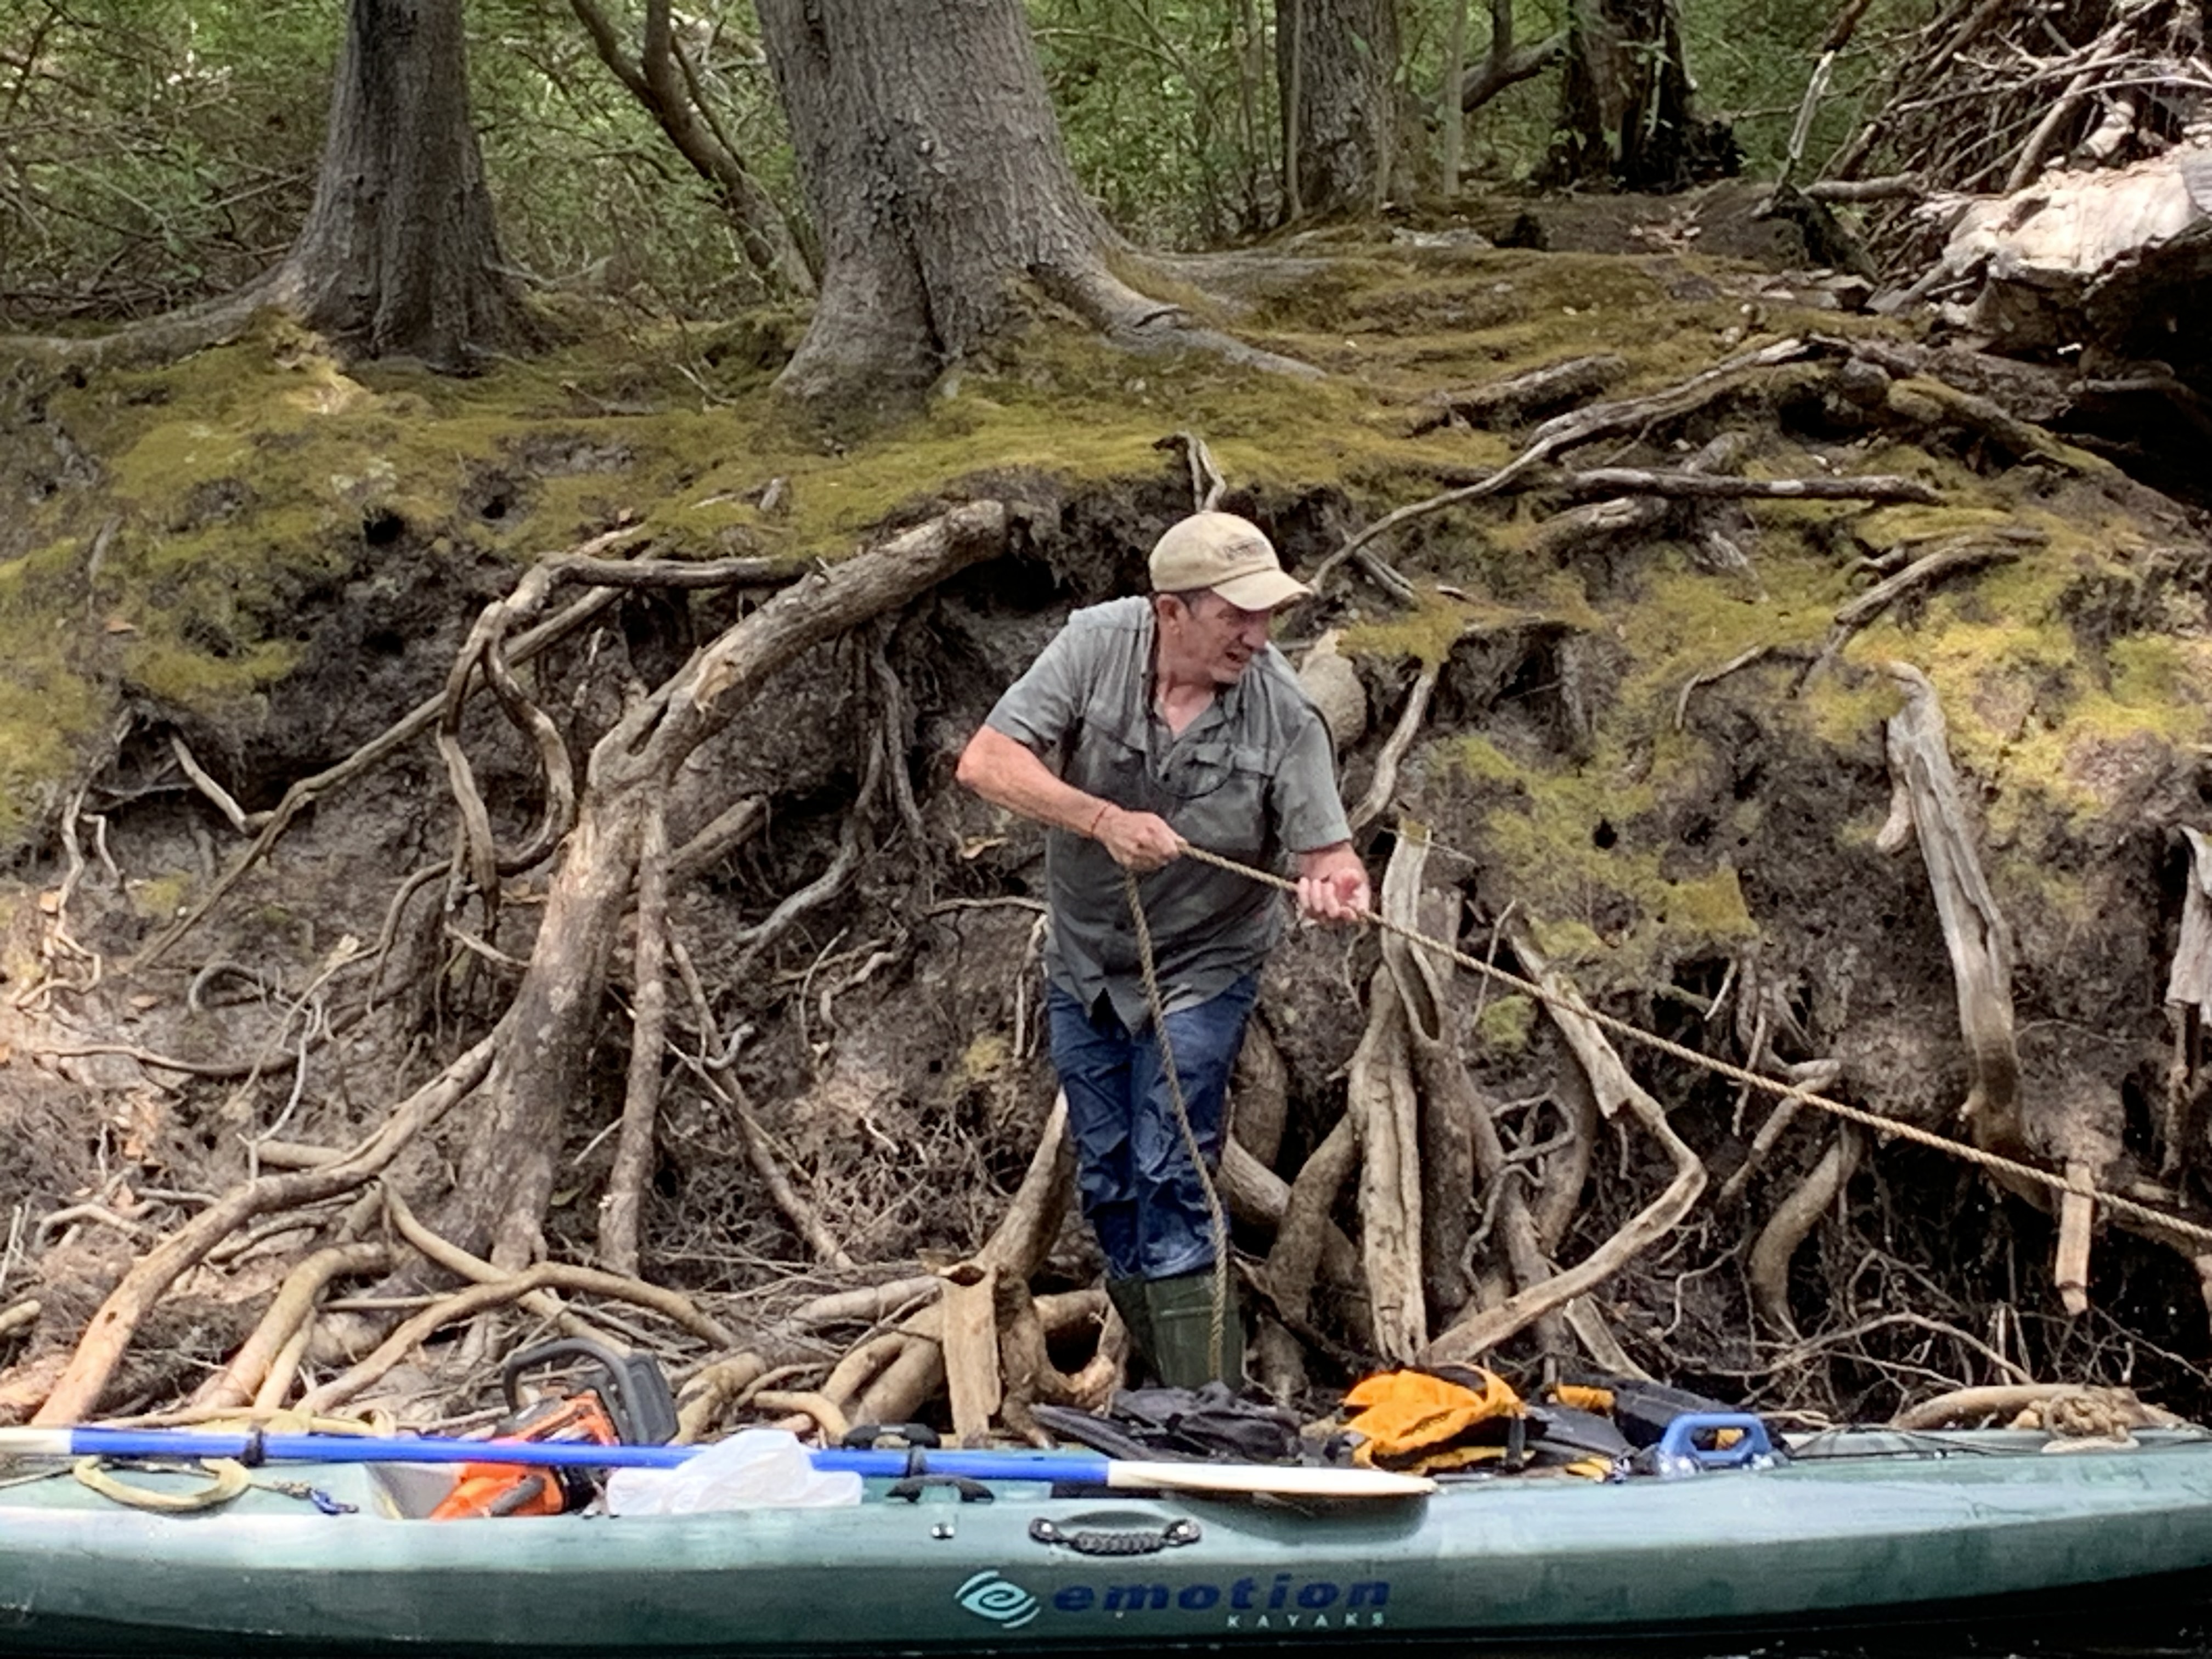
(1850, 1526)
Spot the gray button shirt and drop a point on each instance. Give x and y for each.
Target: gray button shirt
(1251, 778)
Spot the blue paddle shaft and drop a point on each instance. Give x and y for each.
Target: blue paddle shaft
(542, 1454)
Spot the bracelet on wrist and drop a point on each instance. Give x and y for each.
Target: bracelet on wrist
(1098, 818)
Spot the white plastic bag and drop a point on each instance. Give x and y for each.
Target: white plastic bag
(753, 1469)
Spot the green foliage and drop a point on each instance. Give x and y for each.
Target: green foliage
(156, 152)
(591, 196)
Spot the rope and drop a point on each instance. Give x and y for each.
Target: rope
(226, 1478)
(1216, 1331)
(1996, 1162)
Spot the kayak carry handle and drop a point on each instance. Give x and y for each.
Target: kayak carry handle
(1680, 1438)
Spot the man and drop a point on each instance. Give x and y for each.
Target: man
(1147, 723)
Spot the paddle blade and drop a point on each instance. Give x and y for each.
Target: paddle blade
(1298, 1480)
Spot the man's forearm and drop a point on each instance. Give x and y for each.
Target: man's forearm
(1006, 774)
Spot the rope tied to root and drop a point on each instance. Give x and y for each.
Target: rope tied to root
(1996, 1163)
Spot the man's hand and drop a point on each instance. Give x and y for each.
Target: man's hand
(1333, 884)
(1141, 842)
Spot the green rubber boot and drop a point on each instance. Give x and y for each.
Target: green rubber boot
(1182, 1332)
(1128, 1295)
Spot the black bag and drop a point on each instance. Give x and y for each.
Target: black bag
(1211, 1424)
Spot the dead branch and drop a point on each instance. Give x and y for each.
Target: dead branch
(1207, 486)
(806, 1220)
(214, 792)
(1816, 1075)
(1513, 398)
(1691, 486)
(1896, 187)
(1926, 805)
(1563, 535)
(1925, 401)
(1967, 553)
(1711, 675)
(75, 1395)
(1568, 431)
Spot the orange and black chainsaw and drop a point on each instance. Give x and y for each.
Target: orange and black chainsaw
(619, 1399)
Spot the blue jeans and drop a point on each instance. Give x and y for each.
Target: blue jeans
(1141, 1196)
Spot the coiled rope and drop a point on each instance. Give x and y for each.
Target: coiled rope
(1994, 1161)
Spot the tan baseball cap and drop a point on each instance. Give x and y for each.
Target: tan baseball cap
(1231, 556)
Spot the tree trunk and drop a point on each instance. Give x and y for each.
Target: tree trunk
(1626, 116)
(933, 163)
(400, 255)
(1336, 62)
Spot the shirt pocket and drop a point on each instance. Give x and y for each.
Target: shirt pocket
(1110, 760)
(1221, 792)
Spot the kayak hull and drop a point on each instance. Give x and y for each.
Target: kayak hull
(1879, 1528)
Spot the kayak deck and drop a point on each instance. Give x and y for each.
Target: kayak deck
(1856, 1526)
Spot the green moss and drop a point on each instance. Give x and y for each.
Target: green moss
(1585, 851)
(1506, 1023)
(162, 898)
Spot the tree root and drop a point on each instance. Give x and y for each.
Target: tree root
(76, 1393)
(546, 1275)
(1970, 1407)
(239, 1381)
(1381, 1098)
(1614, 1088)
(634, 1146)
(445, 1254)
(1384, 784)
(1767, 1269)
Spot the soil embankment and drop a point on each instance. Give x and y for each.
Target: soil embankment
(1764, 682)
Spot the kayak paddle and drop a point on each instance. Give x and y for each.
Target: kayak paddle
(1291, 1480)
